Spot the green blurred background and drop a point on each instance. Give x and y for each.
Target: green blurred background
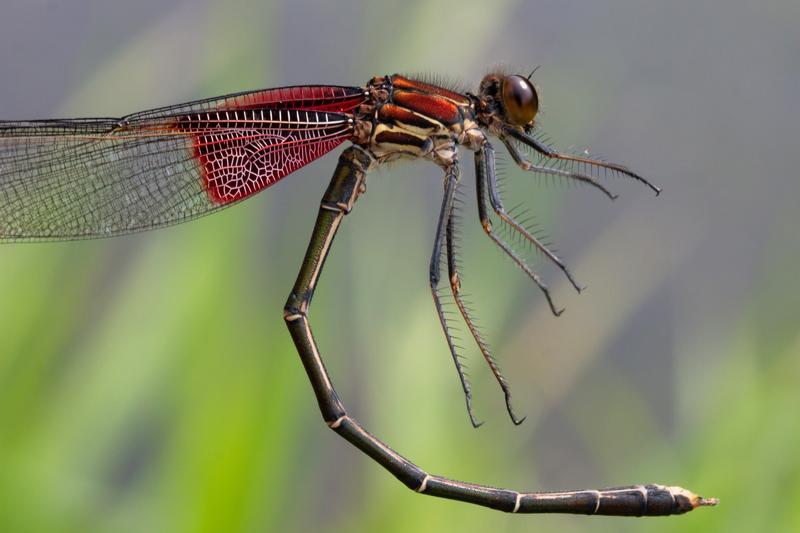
(148, 383)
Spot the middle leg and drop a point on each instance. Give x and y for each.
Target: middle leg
(484, 166)
(490, 179)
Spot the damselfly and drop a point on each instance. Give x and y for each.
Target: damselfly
(100, 177)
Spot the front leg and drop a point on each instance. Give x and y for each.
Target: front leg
(528, 140)
(526, 165)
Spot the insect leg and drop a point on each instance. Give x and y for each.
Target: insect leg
(455, 287)
(524, 164)
(499, 209)
(450, 186)
(549, 152)
(484, 167)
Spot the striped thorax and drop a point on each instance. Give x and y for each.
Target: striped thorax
(409, 118)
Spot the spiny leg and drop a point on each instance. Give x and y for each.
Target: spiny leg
(455, 287)
(484, 158)
(450, 186)
(524, 164)
(549, 152)
(635, 500)
(499, 209)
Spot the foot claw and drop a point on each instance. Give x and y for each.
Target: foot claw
(575, 285)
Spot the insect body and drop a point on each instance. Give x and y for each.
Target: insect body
(418, 120)
(85, 178)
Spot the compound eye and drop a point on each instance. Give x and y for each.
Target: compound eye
(519, 100)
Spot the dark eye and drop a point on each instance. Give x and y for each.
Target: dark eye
(519, 100)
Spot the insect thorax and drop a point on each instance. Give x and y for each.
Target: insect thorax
(405, 118)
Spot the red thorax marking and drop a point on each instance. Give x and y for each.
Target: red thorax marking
(433, 106)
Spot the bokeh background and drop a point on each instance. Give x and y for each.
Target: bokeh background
(148, 383)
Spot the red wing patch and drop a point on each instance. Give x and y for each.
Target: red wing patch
(243, 152)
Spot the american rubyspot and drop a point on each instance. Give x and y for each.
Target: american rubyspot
(86, 178)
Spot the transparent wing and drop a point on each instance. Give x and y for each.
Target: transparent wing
(72, 179)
